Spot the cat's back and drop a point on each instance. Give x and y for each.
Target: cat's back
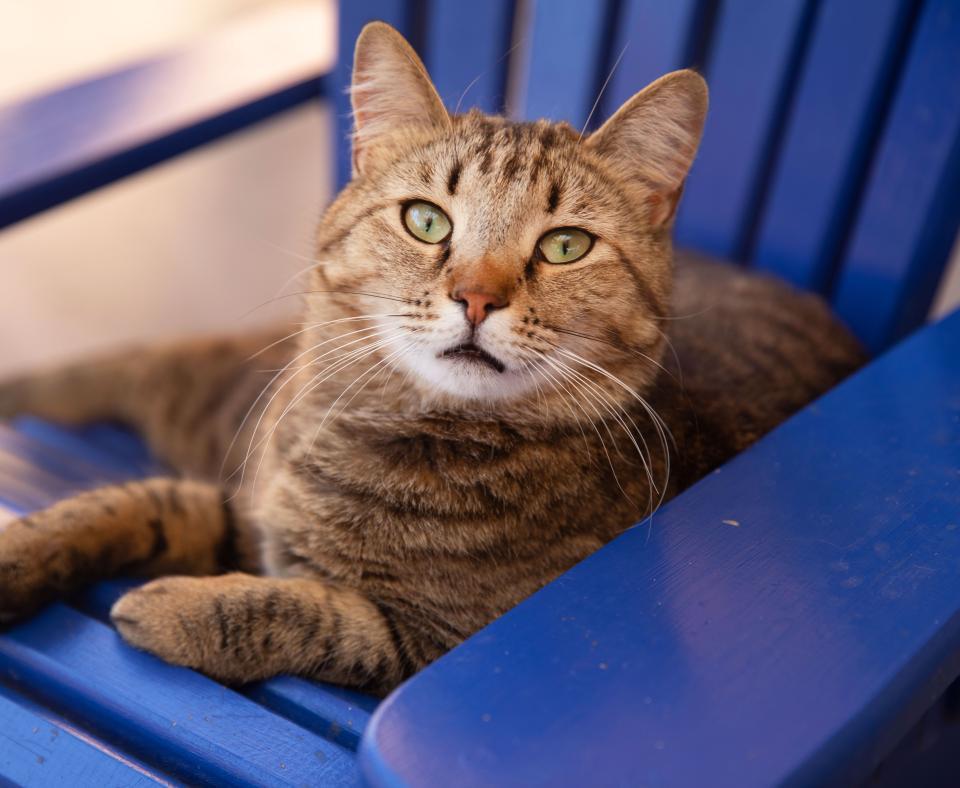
(748, 350)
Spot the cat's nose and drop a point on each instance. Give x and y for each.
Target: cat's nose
(479, 304)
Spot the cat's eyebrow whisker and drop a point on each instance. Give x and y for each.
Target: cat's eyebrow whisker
(602, 89)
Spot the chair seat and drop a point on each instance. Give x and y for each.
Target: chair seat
(85, 704)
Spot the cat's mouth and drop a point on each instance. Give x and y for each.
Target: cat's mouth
(470, 352)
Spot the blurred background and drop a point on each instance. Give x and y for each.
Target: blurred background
(192, 244)
(207, 240)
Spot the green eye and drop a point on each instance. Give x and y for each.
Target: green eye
(565, 245)
(426, 222)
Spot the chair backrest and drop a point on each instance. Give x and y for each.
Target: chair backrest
(832, 149)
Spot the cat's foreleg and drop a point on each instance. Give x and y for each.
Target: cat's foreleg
(152, 527)
(238, 628)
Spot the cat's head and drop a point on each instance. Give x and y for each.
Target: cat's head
(519, 255)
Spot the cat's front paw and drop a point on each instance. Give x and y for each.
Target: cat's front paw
(161, 617)
(188, 621)
(28, 574)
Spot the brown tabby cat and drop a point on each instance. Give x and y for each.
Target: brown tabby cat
(479, 398)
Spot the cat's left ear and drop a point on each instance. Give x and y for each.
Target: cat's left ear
(391, 89)
(655, 135)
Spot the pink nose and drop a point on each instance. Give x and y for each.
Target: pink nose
(479, 305)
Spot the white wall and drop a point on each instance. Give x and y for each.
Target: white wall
(948, 295)
(191, 245)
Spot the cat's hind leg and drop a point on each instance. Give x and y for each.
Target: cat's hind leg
(151, 527)
(238, 628)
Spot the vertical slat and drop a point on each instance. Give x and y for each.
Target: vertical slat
(566, 59)
(655, 38)
(353, 16)
(856, 48)
(911, 208)
(754, 53)
(468, 46)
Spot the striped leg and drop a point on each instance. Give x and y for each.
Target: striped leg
(239, 628)
(156, 526)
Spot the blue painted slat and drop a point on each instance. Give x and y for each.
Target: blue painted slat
(833, 124)
(29, 729)
(122, 443)
(785, 621)
(177, 719)
(121, 461)
(69, 466)
(655, 38)
(336, 713)
(35, 751)
(468, 47)
(57, 146)
(753, 58)
(567, 55)
(911, 208)
(352, 17)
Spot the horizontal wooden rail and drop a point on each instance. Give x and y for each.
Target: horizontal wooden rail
(58, 146)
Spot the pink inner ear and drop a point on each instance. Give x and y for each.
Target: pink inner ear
(662, 206)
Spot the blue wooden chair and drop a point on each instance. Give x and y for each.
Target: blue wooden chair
(793, 618)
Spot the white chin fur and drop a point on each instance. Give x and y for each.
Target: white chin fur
(466, 379)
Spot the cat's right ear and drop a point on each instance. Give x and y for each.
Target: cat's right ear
(391, 89)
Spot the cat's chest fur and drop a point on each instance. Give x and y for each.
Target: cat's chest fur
(446, 519)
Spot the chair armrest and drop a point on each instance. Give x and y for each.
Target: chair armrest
(785, 620)
(57, 146)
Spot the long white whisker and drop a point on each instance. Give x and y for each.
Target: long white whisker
(603, 421)
(661, 427)
(270, 383)
(316, 381)
(348, 357)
